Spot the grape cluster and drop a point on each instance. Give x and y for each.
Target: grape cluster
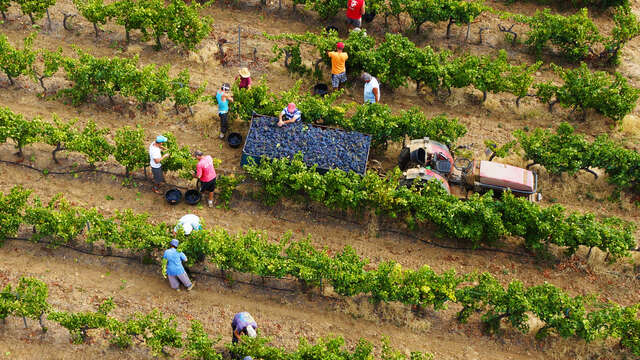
(328, 148)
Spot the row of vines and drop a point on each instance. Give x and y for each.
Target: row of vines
(397, 60)
(576, 37)
(181, 23)
(159, 332)
(581, 316)
(374, 119)
(565, 151)
(92, 76)
(477, 220)
(128, 146)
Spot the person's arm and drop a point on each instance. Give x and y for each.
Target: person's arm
(249, 83)
(159, 160)
(280, 122)
(227, 97)
(183, 257)
(238, 336)
(376, 94)
(363, 6)
(198, 174)
(293, 119)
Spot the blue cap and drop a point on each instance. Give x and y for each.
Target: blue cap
(174, 242)
(247, 358)
(161, 139)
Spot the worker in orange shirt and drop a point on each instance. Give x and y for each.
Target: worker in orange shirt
(338, 68)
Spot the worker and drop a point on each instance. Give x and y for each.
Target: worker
(187, 223)
(206, 173)
(223, 97)
(245, 78)
(290, 114)
(243, 324)
(355, 10)
(175, 270)
(371, 89)
(155, 161)
(338, 68)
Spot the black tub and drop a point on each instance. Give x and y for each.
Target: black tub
(234, 140)
(368, 16)
(320, 89)
(173, 196)
(192, 197)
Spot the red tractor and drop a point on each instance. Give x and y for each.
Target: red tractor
(427, 159)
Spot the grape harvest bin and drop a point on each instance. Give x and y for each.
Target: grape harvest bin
(329, 148)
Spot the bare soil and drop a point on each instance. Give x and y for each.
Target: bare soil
(79, 281)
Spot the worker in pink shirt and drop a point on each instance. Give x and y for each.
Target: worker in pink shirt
(207, 174)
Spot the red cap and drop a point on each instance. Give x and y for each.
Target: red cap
(291, 107)
(340, 45)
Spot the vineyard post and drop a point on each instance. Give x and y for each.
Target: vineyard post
(239, 51)
(48, 20)
(482, 29)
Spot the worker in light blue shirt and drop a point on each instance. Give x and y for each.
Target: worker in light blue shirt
(175, 270)
(223, 96)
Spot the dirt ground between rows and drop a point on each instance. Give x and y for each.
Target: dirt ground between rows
(78, 281)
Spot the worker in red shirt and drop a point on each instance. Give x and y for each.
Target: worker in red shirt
(206, 173)
(355, 10)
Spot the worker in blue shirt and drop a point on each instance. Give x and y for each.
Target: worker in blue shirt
(243, 324)
(175, 270)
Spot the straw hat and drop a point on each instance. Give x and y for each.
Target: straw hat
(244, 72)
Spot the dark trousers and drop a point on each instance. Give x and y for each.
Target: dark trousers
(224, 122)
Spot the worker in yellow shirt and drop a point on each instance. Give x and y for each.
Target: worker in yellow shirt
(338, 69)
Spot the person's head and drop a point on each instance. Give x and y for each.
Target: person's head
(174, 243)
(251, 332)
(160, 140)
(291, 107)
(198, 154)
(366, 77)
(340, 46)
(244, 72)
(225, 87)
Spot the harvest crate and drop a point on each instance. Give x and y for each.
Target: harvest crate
(329, 148)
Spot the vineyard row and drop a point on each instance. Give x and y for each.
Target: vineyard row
(581, 317)
(397, 60)
(480, 219)
(575, 36)
(477, 219)
(128, 148)
(181, 23)
(29, 299)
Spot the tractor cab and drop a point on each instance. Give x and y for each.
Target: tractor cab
(427, 153)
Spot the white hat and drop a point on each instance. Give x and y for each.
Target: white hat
(187, 228)
(251, 331)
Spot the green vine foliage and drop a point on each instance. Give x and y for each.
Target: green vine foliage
(567, 151)
(35, 9)
(397, 60)
(226, 184)
(12, 207)
(480, 219)
(130, 150)
(159, 332)
(374, 119)
(15, 62)
(350, 275)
